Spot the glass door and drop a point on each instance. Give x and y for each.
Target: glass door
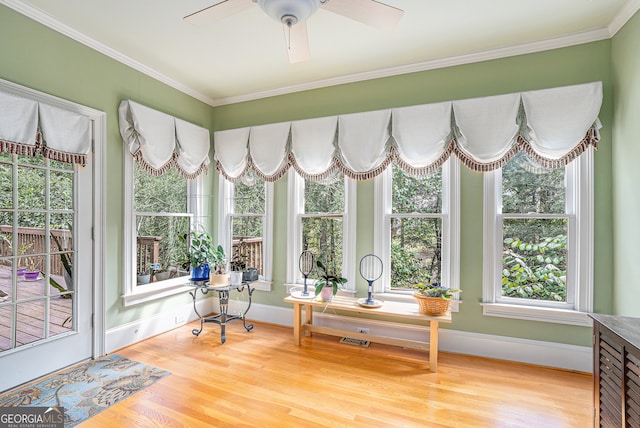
(46, 267)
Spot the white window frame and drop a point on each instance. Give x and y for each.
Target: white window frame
(450, 274)
(132, 293)
(579, 212)
(295, 209)
(225, 213)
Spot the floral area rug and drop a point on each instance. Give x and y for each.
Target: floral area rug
(86, 389)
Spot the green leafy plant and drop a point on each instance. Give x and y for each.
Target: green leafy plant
(200, 249)
(219, 260)
(66, 264)
(535, 270)
(435, 290)
(327, 279)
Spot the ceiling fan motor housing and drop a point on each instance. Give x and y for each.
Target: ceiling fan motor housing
(289, 12)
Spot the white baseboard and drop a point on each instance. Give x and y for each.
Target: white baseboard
(133, 332)
(550, 354)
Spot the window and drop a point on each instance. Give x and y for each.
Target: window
(37, 216)
(538, 241)
(163, 209)
(416, 233)
(322, 220)
(245, 227)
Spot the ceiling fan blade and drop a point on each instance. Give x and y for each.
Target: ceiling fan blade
(297, 42)
(218, 11)
(370, 12)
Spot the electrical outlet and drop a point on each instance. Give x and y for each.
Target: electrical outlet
(363, 330)
(180, 319)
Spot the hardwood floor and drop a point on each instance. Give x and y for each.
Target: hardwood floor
(260, 379)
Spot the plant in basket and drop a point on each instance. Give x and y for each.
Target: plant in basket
(433, 298)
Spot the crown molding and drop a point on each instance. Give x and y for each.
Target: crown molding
(624, 15)
(478, 56)
(48, 21)
(630, 8)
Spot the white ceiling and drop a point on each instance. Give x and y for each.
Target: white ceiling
(244, 57)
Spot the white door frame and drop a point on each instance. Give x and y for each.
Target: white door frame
(98, 159)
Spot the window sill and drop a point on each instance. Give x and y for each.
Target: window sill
(531, 313)
(310, 287)
(262, 285)
(153, 293)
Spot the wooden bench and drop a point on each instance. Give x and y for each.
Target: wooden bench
(350, 304)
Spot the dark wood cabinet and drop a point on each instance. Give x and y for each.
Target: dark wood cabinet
(616, 371)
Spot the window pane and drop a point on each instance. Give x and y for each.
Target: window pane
(247, 243)
(6, 186)
(158, 242)
(529, 188)
(249, 199)
(416, 194)
(61, 190)
(323, 236)
(165, 193)
(416, 251)
(324, 197)
(534, 264)
(31, 184)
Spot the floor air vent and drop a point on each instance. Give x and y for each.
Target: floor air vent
(357, 342)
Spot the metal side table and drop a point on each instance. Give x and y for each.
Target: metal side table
(223, 295)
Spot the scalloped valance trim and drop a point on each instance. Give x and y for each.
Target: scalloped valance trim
(40, 148)
(152, 136)
(65, 157)
(17, 148)
(453, 148)
(484, 134)
(171, 163)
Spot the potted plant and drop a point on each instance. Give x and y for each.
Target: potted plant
(434, 298)
(239, 270)
(327, 285)
(220, 273)
(143, 277)
(200, 254)
(32, 273)
(6, 238)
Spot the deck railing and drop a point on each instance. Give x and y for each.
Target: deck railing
(251, 250)
(148, 248)
(31, 241)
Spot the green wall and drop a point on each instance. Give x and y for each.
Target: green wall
(42, 59)
(580, 64)
(39, 58)
(626, 174)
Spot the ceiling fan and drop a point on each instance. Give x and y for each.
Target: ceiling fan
(294, 13)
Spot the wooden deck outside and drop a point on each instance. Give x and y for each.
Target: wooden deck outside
(31, 305)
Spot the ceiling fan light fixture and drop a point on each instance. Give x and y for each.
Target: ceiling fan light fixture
(289, 12)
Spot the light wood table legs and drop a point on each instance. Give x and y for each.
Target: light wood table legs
(433, 346)
(297, 324)
(304, 327)
(308, 311)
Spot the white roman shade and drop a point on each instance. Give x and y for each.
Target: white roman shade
(552, 125)
(29, 127)
(159, 141)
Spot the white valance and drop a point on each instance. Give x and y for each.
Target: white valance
(159, 141)
(553, 126)
(28, 127)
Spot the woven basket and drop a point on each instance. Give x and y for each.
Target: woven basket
(432, 305)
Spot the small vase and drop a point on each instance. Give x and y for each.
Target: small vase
(143, 278)
(31, 275)
(200, 273)
(326, 294)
